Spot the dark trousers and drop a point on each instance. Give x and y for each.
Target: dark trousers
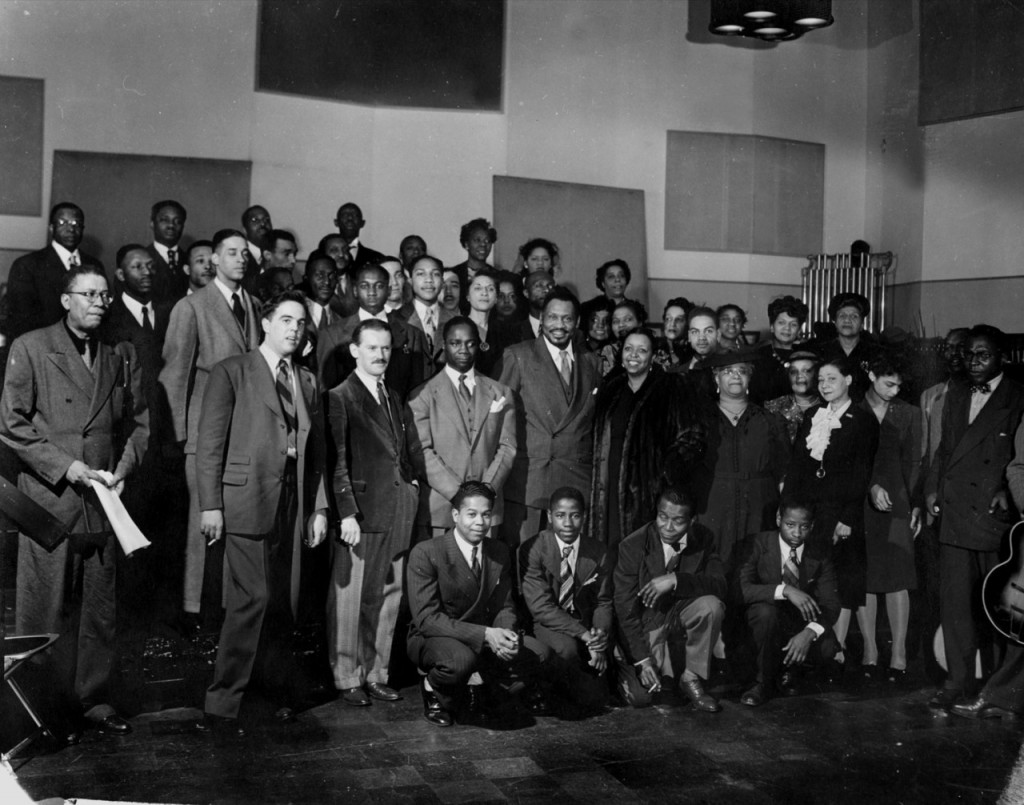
(1005, 688)
(255, 639)
(773, 625)
(961, 573)
(569, 668)
(449, 663)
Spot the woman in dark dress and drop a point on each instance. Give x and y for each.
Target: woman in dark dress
(891, 521)
(786, 317)
(647, 434)
(833, 457)
(477, 238)
(748, 451)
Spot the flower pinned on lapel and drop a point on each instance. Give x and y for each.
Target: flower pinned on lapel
(498, 405)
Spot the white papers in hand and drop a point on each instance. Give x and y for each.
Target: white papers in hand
(125, 530)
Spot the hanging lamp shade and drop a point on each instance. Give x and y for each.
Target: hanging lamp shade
(769, 20)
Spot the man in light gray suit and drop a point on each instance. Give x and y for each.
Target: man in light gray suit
(554, 386)
(206, 327)
(465, 427)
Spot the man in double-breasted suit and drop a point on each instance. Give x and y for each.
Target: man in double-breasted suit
(206, 327)
(791, 597)
(73, 406)
(465, 427)
(375, 494)
(408, 366)
(967, 490)
(36, 279)
(567, 587)
(554, 386)
(261, 462)
(669, 588)
(463, 615)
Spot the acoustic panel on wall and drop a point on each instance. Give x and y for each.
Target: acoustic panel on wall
(439, 55)
(972, 62)
(743, 193)
(590, 224)
(21, 145)
(116, 192)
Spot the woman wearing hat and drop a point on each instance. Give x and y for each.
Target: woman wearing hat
(849, 311)
(748, 451)
(831, 464)
(802, 370)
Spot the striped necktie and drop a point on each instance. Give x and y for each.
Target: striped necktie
(284, 391)
(791, 570)
(565, 581)
(474, 562)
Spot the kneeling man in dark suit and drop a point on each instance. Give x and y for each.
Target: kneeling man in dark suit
(567, 586)
(669, 586)
(463, 616)
(791, 598)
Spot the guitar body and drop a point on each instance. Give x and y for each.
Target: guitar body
(1002, 592)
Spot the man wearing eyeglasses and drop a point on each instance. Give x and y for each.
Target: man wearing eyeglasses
(966, 490)
(73, 407)
(36, 279)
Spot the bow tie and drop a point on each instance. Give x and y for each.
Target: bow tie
(980, 388)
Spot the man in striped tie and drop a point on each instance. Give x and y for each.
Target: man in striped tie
(260, 466)
(792, 601)
(567, 586)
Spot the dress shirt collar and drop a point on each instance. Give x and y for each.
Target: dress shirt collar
(65, 255)
(555, 353)
(670, 551)
(316, 311)
(227, 293)
(784, 548)
(163, 252)
(353, 247)
(453, 375)
(535, 325)
(391, 306)
(370, 382)
(421, 309)
(466, 549)
(993, 384)
(255, 252)
(574, 555)
(365, 315)
(135, 308)
(273, 359)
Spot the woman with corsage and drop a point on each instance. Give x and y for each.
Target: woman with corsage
(832, 461)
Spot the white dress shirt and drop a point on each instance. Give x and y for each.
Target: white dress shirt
(466, 549)
(135, 308)
(65, 255)
(453, 375)
(979, 398)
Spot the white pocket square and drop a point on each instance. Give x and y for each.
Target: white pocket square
(497, 405)
(591, 580)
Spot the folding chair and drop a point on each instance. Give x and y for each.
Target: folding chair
(17, 650)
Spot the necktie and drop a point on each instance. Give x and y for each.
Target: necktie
(474, 562)
(238, 310)
(980, 388)
(348, 252)
(73, 260)
(565, 581)
(87, 353)
(382, 395)
(325, 318)
(147, 323)
(672, 563)
(172, 259)
(791, 570)
(428, 329)
(565, 370)
(464, 392)
(284, 391)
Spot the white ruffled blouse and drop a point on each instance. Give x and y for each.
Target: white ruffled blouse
(825, 421)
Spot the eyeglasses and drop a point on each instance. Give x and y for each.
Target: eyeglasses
(739, 371)
(982, 355)
(94, 296)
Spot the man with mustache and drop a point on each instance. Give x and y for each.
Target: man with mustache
(375, 495)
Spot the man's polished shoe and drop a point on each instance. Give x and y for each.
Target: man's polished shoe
(210, 724)
(702, 701)
(944, 699)
(113, 725)
(284, 715)
(356, 697)
(980, 708)
(754, 697)
(378, 690)
(433, 711)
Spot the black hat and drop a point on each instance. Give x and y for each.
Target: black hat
(730, 358)
(849, 299)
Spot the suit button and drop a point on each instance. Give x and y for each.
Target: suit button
(396, 483)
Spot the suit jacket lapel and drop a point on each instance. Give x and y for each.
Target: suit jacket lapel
(483, 397)
(66, 358)
(450, 405)
(774, 557)
(105, 373)
(461, 572)
(582, 377)
(988, 418)
(221, 310)
(550, 382)
(266, 383)
(372, 409)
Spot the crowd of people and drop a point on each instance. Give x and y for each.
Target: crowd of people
(574, 508)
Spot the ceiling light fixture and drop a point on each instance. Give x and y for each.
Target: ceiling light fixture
(769, 20)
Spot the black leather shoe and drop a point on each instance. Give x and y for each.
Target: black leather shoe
(433, 711)
(754, 697)
(980, 708)
(284, 715)
(356, 697)
(694, 690)
(113, 725)
(217, 725)
(378, 690)
(944, 699)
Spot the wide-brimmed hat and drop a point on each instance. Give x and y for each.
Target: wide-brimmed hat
(730, 358)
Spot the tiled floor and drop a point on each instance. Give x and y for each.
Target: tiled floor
(873, 746)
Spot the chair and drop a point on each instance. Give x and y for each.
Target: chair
(17, 650)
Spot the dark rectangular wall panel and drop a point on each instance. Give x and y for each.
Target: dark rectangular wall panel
(21, 145)
(436, 54)
(743, 193)
(590, 224)
(116, 192)
(972, 59)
